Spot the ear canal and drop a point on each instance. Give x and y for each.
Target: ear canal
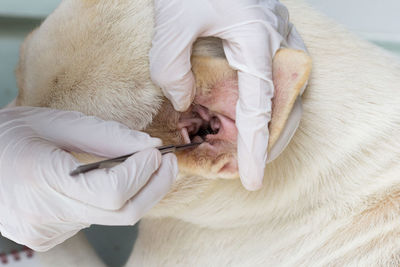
(291, 70)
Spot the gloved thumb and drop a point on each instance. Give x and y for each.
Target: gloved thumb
(170, 64)
(253, 112)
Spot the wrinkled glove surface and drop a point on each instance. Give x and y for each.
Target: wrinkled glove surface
(41, 205)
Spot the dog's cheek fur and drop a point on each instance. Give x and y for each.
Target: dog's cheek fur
(67, 65)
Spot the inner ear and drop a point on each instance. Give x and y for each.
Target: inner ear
(216, 89)
(291, 70)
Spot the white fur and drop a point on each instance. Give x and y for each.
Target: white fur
(331, 199)
(342, 161)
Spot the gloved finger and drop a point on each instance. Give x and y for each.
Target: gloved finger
(171, 71)
(170, 65)
(251, 48)
(135, 208)
(83, 214)
(253, 113)
(103, 188)
(77, 132)
(256, 89)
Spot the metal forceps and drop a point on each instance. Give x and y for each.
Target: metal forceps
(108, 163)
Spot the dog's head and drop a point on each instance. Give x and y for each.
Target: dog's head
(92, 56)
(211, 117)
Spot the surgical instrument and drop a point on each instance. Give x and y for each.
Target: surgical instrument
(108, 163)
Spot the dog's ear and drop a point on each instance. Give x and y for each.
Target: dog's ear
(291, 70)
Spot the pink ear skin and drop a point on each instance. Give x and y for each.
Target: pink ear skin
(218, 89)
(214, 108)
(221, 99)
(221, 105)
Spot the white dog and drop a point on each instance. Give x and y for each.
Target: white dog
(332, 198)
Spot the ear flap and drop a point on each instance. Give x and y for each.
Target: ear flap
(291, 70)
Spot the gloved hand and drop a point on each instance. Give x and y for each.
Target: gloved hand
(41, 205)
(252, 31)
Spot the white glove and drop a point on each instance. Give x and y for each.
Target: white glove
(41, 205)
(252, 32)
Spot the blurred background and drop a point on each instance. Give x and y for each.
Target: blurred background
(376, 21)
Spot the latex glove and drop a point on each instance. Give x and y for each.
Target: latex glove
(41, 205)
(252, 32)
